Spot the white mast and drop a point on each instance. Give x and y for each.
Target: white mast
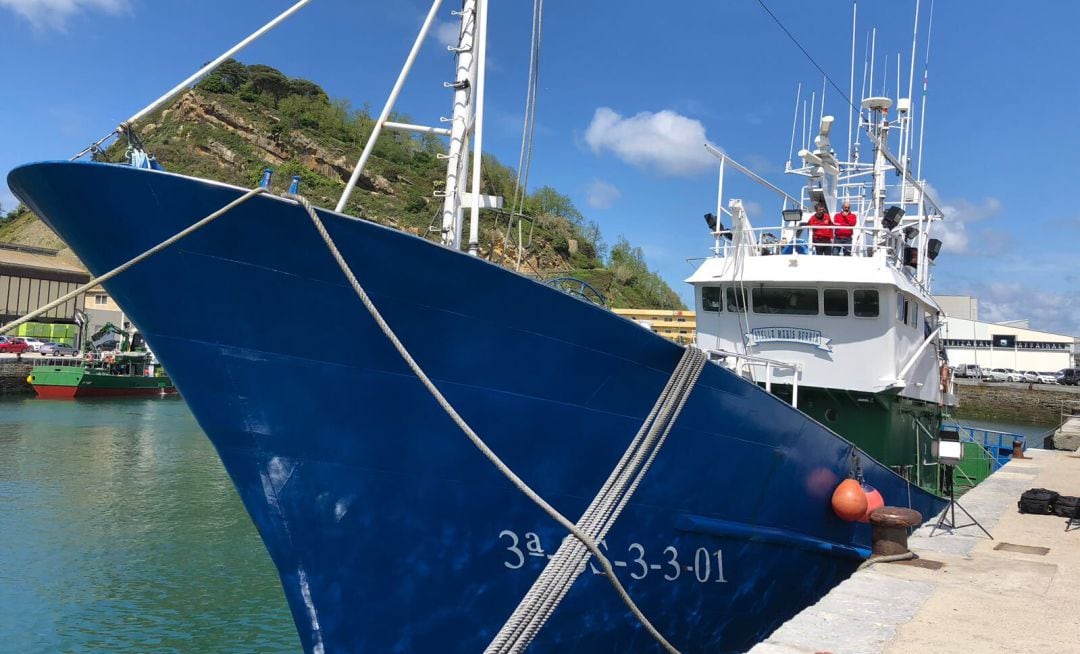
(851, 84)
(460, 124)
(478, 146)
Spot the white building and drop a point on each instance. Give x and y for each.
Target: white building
(1000, 345)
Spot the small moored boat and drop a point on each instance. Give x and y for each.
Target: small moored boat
(108, 375)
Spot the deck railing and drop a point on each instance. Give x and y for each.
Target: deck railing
(740, 363)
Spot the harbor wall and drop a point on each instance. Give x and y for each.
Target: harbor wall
(13, 373)
(1015, 403)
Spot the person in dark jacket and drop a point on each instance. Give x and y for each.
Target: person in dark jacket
(821, 230)
(843, 221)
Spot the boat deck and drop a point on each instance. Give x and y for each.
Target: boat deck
(980, 598)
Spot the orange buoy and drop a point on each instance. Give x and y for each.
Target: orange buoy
(874, 501)
(849, 500)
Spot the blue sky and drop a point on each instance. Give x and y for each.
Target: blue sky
(628, 93)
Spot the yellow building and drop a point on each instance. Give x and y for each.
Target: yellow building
(678, 326)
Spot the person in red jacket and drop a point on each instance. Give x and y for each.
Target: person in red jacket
(821, 230)
(844, 221)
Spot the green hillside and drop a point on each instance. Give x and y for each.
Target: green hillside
(242, 119)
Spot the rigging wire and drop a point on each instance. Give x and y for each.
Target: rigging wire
(800, 47)
(528, 129)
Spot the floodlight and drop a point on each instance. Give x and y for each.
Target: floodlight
(911, 257)
(710, 220)
(892, 217)
(910, 232)
(950, 451)
(933, 248)
(792, 215)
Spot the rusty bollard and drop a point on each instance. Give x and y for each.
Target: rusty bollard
(1018, 450)
(890, 529)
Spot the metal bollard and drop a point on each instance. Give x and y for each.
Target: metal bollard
(890, 526)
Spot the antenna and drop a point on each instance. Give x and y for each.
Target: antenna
(804, 124)
(810, 125)
(862, 92)
(884, 78)
(794, 122)
(911, 82)
(873, 49)
(897, 74)
(851, 85)
(926, 75)
(824, 83)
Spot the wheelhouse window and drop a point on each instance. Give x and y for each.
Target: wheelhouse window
(792, 301)
(736, 299)
(710, 298)
(835, 302)
(866, 303)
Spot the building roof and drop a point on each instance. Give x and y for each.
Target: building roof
(27, 261)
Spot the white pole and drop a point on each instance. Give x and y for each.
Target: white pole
(720, 192)
(873, 50)
(478, 131)
(926, 73)
(388, 107)
(795, 386)
(201, 72)
(794, 123)
(457, 151)
(217, 62)
(851, 84)
(824, 86)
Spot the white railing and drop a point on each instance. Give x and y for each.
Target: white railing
(792, 240)
(738, 363)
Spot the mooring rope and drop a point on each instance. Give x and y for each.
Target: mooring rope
(570, 560)
(131, 262)
(582, 537)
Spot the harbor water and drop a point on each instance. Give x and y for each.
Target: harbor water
(121, 532)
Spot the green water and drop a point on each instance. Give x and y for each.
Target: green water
(120, 532)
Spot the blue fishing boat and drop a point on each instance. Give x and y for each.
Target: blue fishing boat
(390, 528)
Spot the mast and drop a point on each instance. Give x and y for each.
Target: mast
(457, 160)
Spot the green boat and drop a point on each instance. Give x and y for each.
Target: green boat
(102, 375)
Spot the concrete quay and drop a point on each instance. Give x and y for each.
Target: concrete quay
(965, 593)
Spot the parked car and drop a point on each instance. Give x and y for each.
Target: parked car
(12, 346)
(1047, 378)
(1068, 376)
(56, 349)
(1014, 375)
(968, 370)
(33, 343)
(1031, 377)
(997, 374)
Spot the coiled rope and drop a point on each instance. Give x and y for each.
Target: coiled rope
(693, 358)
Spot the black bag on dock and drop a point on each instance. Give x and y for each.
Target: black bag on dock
(1066, 505)
(1037, 500)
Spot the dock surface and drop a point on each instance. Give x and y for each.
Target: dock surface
(1017, 593)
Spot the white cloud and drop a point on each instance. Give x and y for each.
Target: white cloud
(753, 209)
(664, 142)
(959, 215)
(601, 195)
(446, 33)
(54, 14)
(1045, 310)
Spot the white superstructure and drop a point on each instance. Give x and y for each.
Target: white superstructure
(862, 322)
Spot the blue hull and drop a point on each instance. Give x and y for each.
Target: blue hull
(390, 531)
